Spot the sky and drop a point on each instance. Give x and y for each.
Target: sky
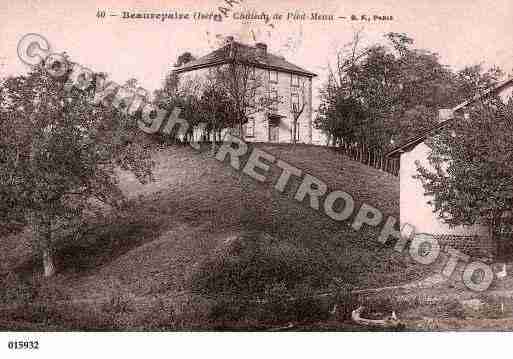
(462, 32)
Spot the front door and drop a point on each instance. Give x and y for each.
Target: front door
(274, 130)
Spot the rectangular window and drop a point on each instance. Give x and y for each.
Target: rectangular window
(294, 80)
(249, 129)
(273, 96)
(273, 76)
(294, 101)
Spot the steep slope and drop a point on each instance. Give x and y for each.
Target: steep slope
(174, 227)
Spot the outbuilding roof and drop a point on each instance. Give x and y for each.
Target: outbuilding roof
(414, 141)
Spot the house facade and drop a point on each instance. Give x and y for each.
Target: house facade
(287, 85)
(415, 208)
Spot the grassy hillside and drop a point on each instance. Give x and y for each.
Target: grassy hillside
(160, 250)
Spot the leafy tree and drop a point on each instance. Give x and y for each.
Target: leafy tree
(168, 90)
(471, 172)
(382, 92)
(216, 111)
(171, 81)
(185, 95)
(474, 79)
(60, 153)
(335, 108)
(184, 58)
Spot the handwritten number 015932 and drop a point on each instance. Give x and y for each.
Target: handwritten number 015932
(23, 345)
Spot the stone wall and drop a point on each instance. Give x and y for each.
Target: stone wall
(474, 246)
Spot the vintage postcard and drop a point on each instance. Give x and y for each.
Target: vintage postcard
(263, 166)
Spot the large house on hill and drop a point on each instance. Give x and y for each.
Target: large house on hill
(289, 84)
(414, 207)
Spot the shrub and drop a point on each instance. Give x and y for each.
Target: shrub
(16, 289)
(248, 263)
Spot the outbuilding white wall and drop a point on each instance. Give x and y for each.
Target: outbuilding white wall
(413, 202)
(414, 208)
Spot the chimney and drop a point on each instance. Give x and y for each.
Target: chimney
(231, 46)
(445, 114)
(261, 49)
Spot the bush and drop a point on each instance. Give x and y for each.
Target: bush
(247, 264)
(16, 290)
(257, 280)
(279, 306)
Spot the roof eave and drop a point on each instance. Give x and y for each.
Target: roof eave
(200, 66)
(225, 61)
(410, 144)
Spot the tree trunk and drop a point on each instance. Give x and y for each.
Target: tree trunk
(213, 147)
(48, 266)
(241, 127)
(495, 234)
(294, 133)
(41, 231)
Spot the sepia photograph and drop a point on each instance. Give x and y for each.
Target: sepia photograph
(178, 170)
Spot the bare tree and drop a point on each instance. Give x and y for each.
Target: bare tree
(243, 84)
(298, 107)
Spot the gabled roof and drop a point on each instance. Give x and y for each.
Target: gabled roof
(222, 56)
(414, 141)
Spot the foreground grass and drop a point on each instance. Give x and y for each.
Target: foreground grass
(148, 256)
